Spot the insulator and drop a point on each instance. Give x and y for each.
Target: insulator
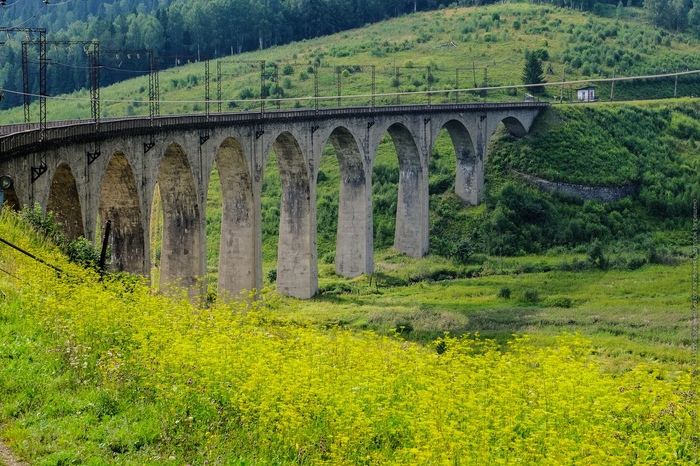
(138, 55)
(128, 55)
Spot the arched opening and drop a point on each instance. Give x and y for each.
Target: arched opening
(297, 267)
(343, 207)
(451, 161)
(515, 127)
(400, 194)
(64, 202)
(11, 199)
(180, 260)
(231, 235)
(119, 203)
(468, 176)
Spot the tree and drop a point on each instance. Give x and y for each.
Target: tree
(533, 73)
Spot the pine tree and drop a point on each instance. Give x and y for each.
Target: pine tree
(533, 73)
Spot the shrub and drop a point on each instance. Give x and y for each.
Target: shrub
(504, 292)
(531, 295)
(287, 70)
(246, 93)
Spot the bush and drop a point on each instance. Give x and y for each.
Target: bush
(246, 93)
(531, 295)
(504, 292)
(288, 70)
(81, 251)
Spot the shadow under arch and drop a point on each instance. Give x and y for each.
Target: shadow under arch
(180, 256)
(119, 203)
(411, 234)
(64, 202)
(354, 245)
(514, 126)
(237, 248)
(297, 266)
(467, 184)
(11, 199)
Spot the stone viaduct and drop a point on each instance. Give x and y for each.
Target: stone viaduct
(178, 154)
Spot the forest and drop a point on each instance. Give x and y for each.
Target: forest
(180, 31)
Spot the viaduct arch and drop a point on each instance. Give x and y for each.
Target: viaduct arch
(178, 154)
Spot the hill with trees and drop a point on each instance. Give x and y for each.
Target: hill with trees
(199, 29)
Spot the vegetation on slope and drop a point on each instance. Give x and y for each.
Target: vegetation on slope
(107, 373)
(488, 45)
(198, 28)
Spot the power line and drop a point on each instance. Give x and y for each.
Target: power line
(389, 94)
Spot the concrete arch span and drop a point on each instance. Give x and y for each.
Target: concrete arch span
(354, 244)
(468, 183)
(181, 258)
(297, 265)
(237, 270)
(411, 234)
(64, 202)
(120, 204)
(515, 126)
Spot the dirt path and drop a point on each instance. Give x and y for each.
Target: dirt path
(6, 457)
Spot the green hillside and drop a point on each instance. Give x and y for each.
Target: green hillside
(475, 46)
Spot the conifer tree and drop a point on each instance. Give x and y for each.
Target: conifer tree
(533, 73)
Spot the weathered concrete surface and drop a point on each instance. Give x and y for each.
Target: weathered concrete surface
(182, 249)
(64, 202)
(119, 203)
(353, 253)
(297, 267)
(237, 249)
(120, 186)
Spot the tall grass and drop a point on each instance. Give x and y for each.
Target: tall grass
(108, 373)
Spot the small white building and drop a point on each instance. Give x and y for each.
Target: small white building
(586, 94)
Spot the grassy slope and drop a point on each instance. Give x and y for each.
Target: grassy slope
(108, 373)
(591, 46)
(479, 40)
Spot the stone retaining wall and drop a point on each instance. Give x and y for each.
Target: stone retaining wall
(580, 191)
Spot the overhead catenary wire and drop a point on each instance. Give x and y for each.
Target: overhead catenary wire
(386, 94)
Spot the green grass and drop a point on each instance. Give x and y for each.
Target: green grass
(628, 315)
(485, 50)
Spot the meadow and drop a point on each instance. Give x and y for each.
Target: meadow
(106, 372)
(540, 329)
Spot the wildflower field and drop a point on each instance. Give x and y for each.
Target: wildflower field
(104, 372)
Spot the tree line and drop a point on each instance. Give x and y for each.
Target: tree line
(201, 29)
